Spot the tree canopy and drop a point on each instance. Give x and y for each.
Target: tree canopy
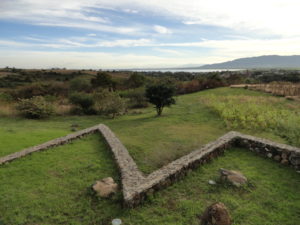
(160, 95)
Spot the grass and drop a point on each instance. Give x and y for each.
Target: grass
(182, 128)
(51, 187)
(57, 190)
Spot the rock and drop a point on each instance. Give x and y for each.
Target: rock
(216, 214)
(105, 187)
(284, 162)
(277, 158)
(269, 155)
(116, 222)
(212, 182)
(236, 178)
(284, 155)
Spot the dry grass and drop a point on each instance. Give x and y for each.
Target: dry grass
(275, 88)
(7, 109)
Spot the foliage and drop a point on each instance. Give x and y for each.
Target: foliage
(40, 89)
(84, 101)
(5, 97)
(80, 84)
(160, 95)
(103, 80)
(257, 113)
(35, 108)
(136, 80)
(136, 97)
(109, 103)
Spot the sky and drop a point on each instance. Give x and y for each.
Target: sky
(122, 34)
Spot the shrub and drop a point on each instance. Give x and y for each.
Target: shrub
(40, 89)
(84, 103)
(80, 84)
(136, 80)
(34, 108)
(136, 97)
(5, 97)
(109, 103)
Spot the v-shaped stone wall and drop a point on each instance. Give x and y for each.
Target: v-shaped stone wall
(136, 186)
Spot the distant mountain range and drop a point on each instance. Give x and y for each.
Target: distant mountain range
(260, 62)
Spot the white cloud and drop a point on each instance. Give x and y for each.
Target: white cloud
(161, 29)
(169, 51)
(87, 60)
(92, 35)
(269, 17)
(220, 51)
(125, 43)
(133, 11)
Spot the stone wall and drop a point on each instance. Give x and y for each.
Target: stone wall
(136, 187)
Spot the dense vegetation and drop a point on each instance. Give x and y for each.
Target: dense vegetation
(259, 113)
(98, 92)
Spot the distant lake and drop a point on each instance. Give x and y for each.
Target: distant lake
(185, 70)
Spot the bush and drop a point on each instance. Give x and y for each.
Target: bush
(40, 89)
(109, 103)
(35, 108)
(136, 97)
(84, 103)
(103, 80)
(136, 80)
(80, 84)
(5, 97)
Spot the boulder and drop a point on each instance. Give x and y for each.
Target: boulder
(236, 178)
(216, 214)
(105, 187)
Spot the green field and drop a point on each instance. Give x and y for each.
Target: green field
(52, 187)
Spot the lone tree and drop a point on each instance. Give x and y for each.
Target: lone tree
(160, 95)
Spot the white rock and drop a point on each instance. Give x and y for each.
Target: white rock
(116, 222)
(212, 182)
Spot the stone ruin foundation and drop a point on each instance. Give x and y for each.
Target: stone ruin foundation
(136, 186)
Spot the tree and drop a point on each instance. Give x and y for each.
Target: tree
(136, 80)
(103, 80)
(160, 95)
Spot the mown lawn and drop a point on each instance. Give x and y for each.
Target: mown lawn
(52, 187)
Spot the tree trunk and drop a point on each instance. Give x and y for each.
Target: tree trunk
(159, 111)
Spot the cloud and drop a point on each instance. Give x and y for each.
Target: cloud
(168, 51)
(87, 60)
(268, 17)
(133, 11)
(125, 43)
(161, 30)
(92, 35)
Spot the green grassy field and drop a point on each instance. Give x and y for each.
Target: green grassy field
(51, 187)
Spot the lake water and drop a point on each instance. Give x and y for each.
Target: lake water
(185, 70)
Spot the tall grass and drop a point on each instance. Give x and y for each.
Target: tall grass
(278, 88)
(258, 113)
